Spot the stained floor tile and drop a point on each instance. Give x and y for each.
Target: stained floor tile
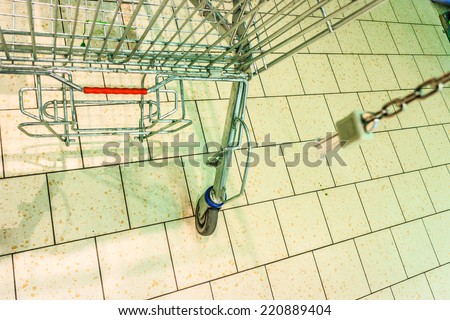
(379, 72)
(200, 292)
(379, 37)
(436, 144)
(405, 38)
(26, 219)
(87, 203)
(385, 294)
(68, 271)
(352, 38)
(296, 278)
(197, 258)
(344, 213)
(406, 71)
(248, 285)
(410, 149)
(437, 229)
(380, 259)
(373, 101)
(130, 270)
(405, 11)
(439, 281)
(6, 278)
(285, 73)
(415, 248)
(255, 235)
(341, 271)
(349, 73)
(155, 192)
(316, 73)
(414, 115)
(380, 203)
(412, 195)
(429, 39)
(305, 227)
(416, 288)
(438, 186)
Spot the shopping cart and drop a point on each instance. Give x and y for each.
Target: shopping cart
(174, 40)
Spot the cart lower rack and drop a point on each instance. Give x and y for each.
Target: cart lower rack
(173, 40)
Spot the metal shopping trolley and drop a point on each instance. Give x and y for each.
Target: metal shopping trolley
(173, 40)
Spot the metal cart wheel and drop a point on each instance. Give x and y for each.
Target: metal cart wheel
(206, 214)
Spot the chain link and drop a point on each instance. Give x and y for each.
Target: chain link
(423, 91)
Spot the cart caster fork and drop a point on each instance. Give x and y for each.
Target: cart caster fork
(206, 214)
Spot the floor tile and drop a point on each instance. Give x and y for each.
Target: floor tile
(436, 144)
(197, 90)
(155, 192)
(255, 235)
(383, 12)
(6, 278)
(26, 222)
(414, 247)
(412, 116)
(439, 281)
(379, 72)
(344, 213)
(379, 37)
(341, 105)
(326, 44)
(302, 223)
(405, 11)
(406, 71)
(316, 73)
(189, 140)
(412, 195)
(295, 278)
(444, 61)
(437, 229)
(438, 185)
(285, 73)
(9, 91)
(385, 294)
(427, 12)
(435, 109)
(410, 149)
(380, 203)
(444, 40)
(354, 167)
(68, 271)
(349, 73)
(130, 270)
(197, 258)
(248, 285)
(278, 126)
(255, 89)
(311, 116)
(405, 38)
(108, 150)
(352, 38)
(429, 67)
(341, 271)
(428, 39)
(268, 178)
(380, 259)
(374, 101)
(87, 203)
(200, 292)
(27, 155)
(307, 172)
(416, 288)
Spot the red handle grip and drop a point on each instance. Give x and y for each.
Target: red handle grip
(96, 90)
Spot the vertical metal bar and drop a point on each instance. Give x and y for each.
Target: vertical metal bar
(4, 45)
(31, 24)
(116, 13)
(74, 27)
(55, 27)
(91, 32)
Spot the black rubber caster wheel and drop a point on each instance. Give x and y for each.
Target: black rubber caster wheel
(208, 223)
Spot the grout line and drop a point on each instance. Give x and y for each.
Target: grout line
(281, 229)
(423, 144)
(211, 289)
(51, 210)
(398, 251)
(364, 70)
(325, 218)
(396, 197)
(392, 291)
(362, 266)
(124, 196)
(14, 276)
(268, 280)
(396, 153)
(429, 239)
(293, 118)
(229, 240)
(187, 185)
(2, 157)
(99, 268)
(240, 175)
(171, 257)
(426, 189)
(201, 125)
(318, 273)
(362, 205)
(298, 74)
(280, 150)
(431, 289)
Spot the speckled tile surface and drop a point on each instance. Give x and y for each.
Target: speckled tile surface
(68, 271)
(373, 227)
(86, 203)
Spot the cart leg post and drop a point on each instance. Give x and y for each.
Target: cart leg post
(209, 204)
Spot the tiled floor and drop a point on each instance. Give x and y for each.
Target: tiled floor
(378, 228)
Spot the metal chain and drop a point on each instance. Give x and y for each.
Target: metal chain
(423, 91)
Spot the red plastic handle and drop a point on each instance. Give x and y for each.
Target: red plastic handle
(96, 90)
